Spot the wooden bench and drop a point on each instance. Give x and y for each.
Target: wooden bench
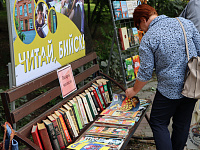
(90, 73)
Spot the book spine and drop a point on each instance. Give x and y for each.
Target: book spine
(109, 89)
(69, 140)
(61, 131)
(92, 104)
(58, 134)
(98, 100)
(99, 95)
(121, 38)
(72, 123)
(106, 92)
(95, 102)
(82, 111)
(77, 116)
(68, 124)
(79, 113)
(87, 108)
(45, 139)
(52, 135)
(74, 119)
(36, 138)
(102, 92)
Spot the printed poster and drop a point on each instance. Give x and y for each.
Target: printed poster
(45, 35)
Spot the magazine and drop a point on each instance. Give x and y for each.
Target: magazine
(121, 102)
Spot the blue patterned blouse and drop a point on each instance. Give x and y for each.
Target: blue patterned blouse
(163, 47)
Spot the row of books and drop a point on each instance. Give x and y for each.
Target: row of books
(132, 65)
(124, 9)
(128, 37)
(110, 130)
(59, 129)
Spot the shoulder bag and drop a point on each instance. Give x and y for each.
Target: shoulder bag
(191, 87)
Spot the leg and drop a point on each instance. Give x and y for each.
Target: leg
(181, 123)
(162, 110)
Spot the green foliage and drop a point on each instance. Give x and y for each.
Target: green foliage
(19, 32)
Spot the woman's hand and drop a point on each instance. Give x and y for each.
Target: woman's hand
(130, 92)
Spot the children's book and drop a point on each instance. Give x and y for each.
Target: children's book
(88, 145)
(131, 5)
(124, 9)
(131, 37)
(109, 141)
(130, 75)
(136, 63)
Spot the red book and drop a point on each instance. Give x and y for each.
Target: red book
(97, 98)
(102, 92)
(44, 136)
(58, 134)
(35, 136)
(69, 140)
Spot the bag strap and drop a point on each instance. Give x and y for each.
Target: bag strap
(186, 44)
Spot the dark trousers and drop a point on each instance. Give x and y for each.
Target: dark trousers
(181, 112)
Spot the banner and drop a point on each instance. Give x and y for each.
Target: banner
(46, 34)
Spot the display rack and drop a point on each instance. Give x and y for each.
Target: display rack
(118, 24)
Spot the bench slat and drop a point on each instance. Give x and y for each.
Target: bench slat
(44, 98)
(26, 88)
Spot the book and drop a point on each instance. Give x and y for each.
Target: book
(52, 134)
(36, 137)
(140, 34)
(88, 145)
(117, 10)
(114, 143)
(123, 35)
(104, 83)
(99, 95)
(44, 136)
(108, 83)
(74, 116)
(68, 122)
(82, 109)
(124, 9)
(57, 131)
(97, 98)
(60, 129)
(136, 64)
(86, 105)
(112, 120)
(108, 130)
(94, 100)
(102, 92)
(121, 102)
(131, 37)
(136, 36)
(77, 114)
(131, 5)
(69, 140)
(130, 74)
(91, 102)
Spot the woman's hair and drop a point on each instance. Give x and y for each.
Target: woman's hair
(143, 10)
(40, 7)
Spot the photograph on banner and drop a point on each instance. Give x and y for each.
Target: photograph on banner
(45, 35)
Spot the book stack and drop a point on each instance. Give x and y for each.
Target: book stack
(60, 128)
(112, 127)
(132, 65)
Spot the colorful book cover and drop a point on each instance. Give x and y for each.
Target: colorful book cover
(123, 38)
(117, 10)
(114, 143)
(131, 5)
(136, 64)
(131, 37)
(124, 9)
(36, 137)
(140, 34)
(102, 92)
(98, 96)
(88, 145)
(109, 87)
(136, 36)
(116, 121)
(130, 74)
(95, 100)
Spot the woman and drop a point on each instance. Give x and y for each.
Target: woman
(163, 48)
(39, 22)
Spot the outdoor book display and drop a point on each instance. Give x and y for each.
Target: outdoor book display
(127, 38)
(90, 112)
